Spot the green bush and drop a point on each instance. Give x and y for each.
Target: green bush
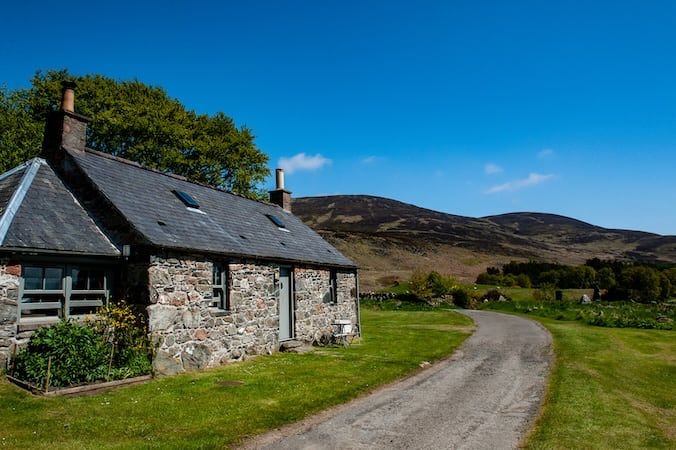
(78, 355)
(112, 346)
(120, 325)
(461, 298)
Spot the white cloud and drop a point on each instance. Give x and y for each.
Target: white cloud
(371, 159)
(492, 169)
(546, 153)
(301, 161)
(532, 180)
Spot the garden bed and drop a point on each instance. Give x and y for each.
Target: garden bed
(72, 391)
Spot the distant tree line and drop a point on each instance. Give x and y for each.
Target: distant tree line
(617, 280)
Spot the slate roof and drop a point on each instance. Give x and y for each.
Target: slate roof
(37, 212)
(9, 182)
(224, 223)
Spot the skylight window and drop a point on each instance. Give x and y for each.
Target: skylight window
(186, 199)
(276, 220)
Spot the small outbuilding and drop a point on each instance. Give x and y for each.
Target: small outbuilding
(221, 276)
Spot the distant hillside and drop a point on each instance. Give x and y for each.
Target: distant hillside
(389, 239)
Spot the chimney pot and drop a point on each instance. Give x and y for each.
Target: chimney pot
(280, 178)
(68, 96)
(281, 196)
(65, 129)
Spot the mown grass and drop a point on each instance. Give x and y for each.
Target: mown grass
(610, 388)
(208, 410)
(613, 385)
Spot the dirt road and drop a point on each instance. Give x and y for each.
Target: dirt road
(485, 397)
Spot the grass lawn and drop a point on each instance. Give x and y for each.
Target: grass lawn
(207, 410)
(610, 388)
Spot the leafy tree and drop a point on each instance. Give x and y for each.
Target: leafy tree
(665, 286)
(578, 277)
(487, 278)
(419, 284)
(671, 275)
(425, 286)
(20, 134)
(137, 122)
(441, 285)
(606, 278)
(549, 278)
(509, 280)
(531, 268)
(493, 271)
(461, 298)
(523, 280)
(641, 283)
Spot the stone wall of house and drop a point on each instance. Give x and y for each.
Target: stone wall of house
(316, 310)
(189, 334)
(10, 272)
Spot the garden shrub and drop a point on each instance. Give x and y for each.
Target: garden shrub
(546, 293)
(494, 295)
(78, 355)
(461, 298)
(112, 346)
(120, 326)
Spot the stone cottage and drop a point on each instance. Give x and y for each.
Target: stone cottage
(222, 277)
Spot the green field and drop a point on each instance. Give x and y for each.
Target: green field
(216, 408)
(610, 388)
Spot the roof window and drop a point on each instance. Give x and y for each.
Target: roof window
(276, 220)
(186, 198)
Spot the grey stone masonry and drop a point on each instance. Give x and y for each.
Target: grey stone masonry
(9, 296)
(317, 309)
(192, 335)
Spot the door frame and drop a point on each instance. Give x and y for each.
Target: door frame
(286, 303)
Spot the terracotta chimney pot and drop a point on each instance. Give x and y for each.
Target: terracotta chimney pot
(68, 96)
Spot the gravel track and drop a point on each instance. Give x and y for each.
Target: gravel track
(485, 396)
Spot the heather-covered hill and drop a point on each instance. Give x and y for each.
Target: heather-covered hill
(389, 239)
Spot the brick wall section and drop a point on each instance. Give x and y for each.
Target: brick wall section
(10, 272)
(315, 310)
(190, 336)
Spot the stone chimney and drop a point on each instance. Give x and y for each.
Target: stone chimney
(65, 129)
(280, 196)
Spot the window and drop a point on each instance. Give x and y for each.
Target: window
(333, 286)
(43, 292)
(276, 220)
(62, 291)
(88, 291)
(186, 199)
(219, 298)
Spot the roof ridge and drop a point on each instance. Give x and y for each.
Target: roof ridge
(32, 167)
(16, 169)
(167, 174)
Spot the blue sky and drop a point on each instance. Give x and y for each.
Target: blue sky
(467, 107)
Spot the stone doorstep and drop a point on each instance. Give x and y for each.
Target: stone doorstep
(294, 346)
(79, 390)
